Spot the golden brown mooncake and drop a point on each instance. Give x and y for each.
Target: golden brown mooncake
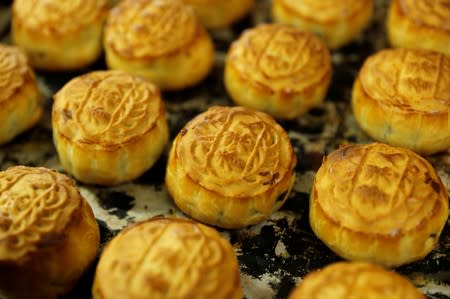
(378, 203)
(48, 233)
(218, 13)
(108, 126)
(278, 69)
(345, 280)
(59, 35)
(168, 258)
(336, 22)
(160, 40)
(20, 99)
(421, 24)
(402, 97)
(230, 167)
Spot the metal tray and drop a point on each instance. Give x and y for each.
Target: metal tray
(276, 253)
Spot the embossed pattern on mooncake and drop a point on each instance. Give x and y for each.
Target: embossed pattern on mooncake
(35, 204)
(281, 58)
(429, 12)
(106, 107)
(49, 17)
(14, 71)
(355, 280)
(147, 29)
(168, 258)
(412, 80)
(378, 189)
(245, 145)
(330, 10)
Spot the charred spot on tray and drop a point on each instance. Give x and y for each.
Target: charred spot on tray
(116, 202)
(317, 111)
(106, 233)
(285, 287)
(256, 250)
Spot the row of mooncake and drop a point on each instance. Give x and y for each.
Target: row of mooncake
(50, 237)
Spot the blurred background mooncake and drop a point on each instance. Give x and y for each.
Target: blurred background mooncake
(20, 98)
(420, 24)
(336, 22)
(160, 40)
(59, 35)
(218, 13)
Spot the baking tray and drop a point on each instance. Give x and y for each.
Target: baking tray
(276, 253)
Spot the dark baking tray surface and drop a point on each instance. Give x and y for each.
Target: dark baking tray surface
(274, 254)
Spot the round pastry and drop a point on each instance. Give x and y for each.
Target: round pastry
(168, 258)
(230, 167)
(378, 203)
(337, 22)
(20, 99)
(48, 233)
(161, 40)
(218, 13)
(59, 35)
(421, 24)
(278, 69)
(402, 97)
(108, 126)
(355, 280)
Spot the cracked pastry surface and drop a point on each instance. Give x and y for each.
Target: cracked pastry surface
(168, 258)
(337, 22)
(108, 126)
(355, 280)
(230, 167)
(59, 35)
(160, 40)
(20, 99)
(278, 69)
(48, 233)
(378, 203)
(423, 24)
(218, 14)
(402, 97)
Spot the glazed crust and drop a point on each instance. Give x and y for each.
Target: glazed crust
(338, 22)
(52, 42)
(278, 69)
(20, 99)
(48, 233)
(402, 97)
(160, 40)
(230, 167)
(378, 203)
(108, 126)
(168, 258)
(355, 280)
(420, 24)
(218, 13)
